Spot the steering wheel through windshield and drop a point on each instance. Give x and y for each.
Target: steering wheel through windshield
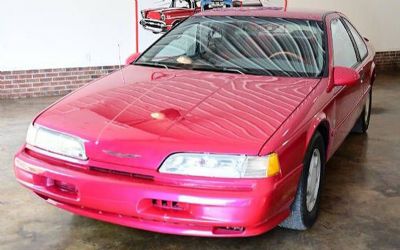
(287, 53)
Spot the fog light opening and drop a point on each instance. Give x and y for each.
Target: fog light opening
(65, 187)
(173, 205)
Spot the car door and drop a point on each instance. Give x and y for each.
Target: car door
(347, 97)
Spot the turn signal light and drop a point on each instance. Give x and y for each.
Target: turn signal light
(27, 166)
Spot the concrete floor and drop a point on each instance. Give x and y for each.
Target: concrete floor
(360, 202)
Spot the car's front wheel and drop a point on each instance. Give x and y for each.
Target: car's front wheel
(304, 210)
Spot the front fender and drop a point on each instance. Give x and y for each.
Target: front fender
(318, 120)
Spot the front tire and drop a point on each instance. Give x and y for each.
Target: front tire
(304, 210)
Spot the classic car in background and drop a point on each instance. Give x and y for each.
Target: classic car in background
(162, 19)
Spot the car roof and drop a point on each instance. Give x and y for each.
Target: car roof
(268, 12)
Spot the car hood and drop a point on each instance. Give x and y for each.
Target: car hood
(140, 115)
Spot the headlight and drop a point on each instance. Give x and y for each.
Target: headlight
(162, 17)
(221, 166)
(56, 142)
(143, 14)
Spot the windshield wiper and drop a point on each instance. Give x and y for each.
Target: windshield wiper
(231, 70)
(155, 64)
(151, 64)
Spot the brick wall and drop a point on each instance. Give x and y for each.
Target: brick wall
(1, 81)
(389, 60)
(48, 82)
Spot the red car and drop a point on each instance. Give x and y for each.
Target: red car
(163, 19)
(221, 128)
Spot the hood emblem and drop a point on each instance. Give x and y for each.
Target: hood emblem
(122, 155)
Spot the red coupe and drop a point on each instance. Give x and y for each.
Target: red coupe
(221, 128)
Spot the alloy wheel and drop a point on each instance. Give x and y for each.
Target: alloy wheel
(313, 180)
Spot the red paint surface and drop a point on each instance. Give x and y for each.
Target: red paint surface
(201, 112)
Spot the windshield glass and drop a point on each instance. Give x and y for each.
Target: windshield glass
(242, 44)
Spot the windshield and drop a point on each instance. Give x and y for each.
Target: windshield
(242, 44)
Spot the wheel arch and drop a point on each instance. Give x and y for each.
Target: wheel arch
(321, 124)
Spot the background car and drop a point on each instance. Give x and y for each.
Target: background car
(163, 19)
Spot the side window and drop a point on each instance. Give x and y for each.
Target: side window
(362, 48)
(343, 49)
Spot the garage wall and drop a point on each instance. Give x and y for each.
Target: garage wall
(60, 34)
(50, 47)
(377, 20)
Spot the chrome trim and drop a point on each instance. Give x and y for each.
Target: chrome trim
(149, 24)
(177, 17)
(152, 21)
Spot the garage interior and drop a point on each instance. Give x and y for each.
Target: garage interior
(360, 205)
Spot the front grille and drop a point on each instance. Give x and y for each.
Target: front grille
(153, 23)
(122, 173)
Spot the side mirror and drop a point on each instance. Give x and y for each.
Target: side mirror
(132, 58)
(343, 76)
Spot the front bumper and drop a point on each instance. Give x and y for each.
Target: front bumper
(155, 26)
(147, 205)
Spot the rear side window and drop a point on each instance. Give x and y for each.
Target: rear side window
(343, 49)
(362, 48)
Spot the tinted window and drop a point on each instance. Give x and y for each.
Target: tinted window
(362, 48)
(251, 45)
(344, 53)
